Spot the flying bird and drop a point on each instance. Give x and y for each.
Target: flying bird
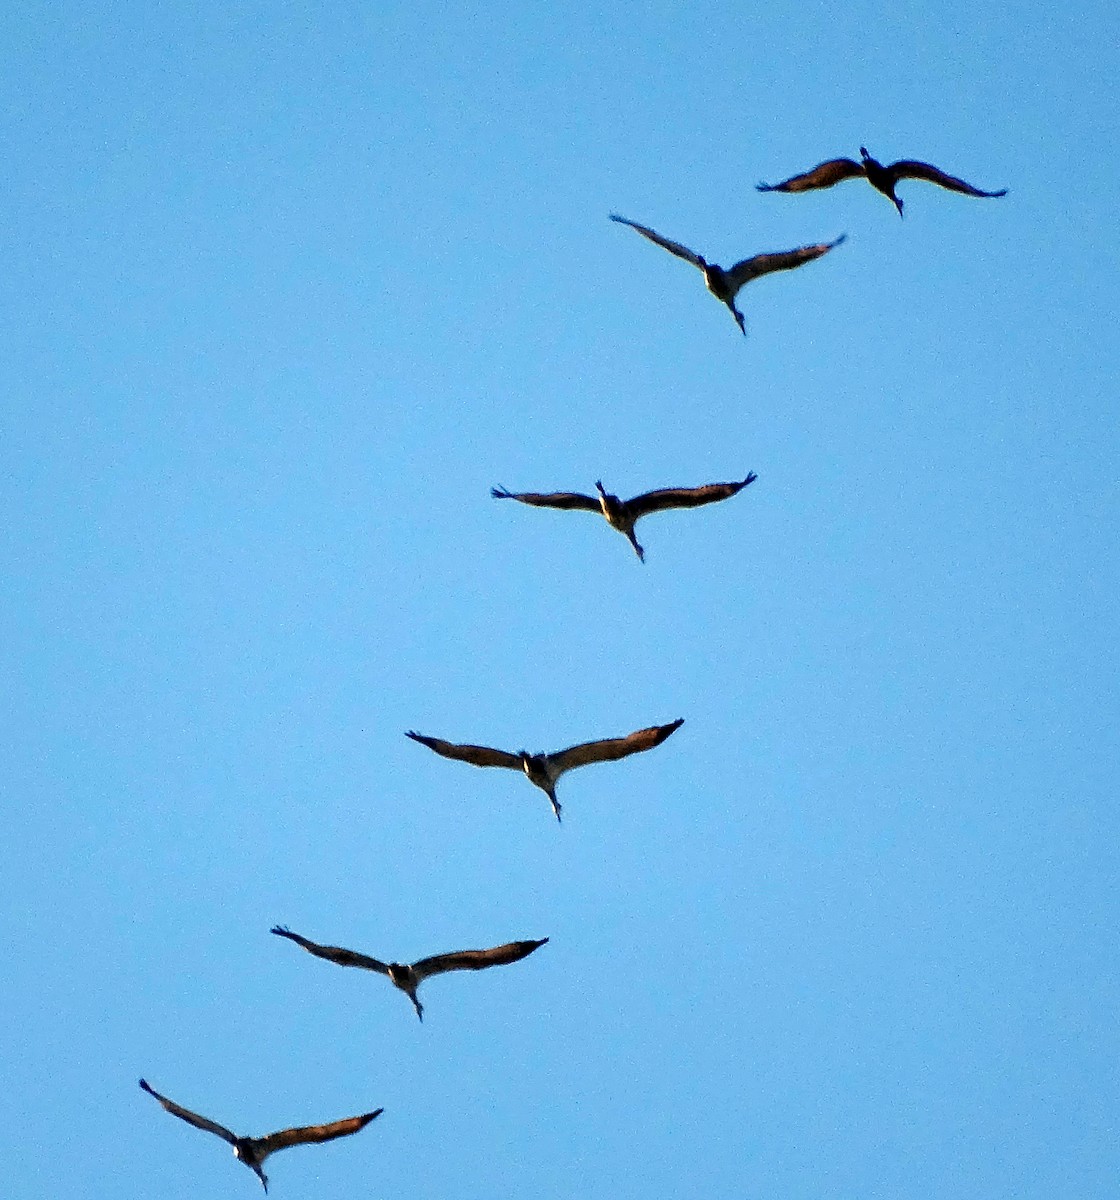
(253, 1151)
(545, 769)
(408, 977)
(883, 179)
(724, 284)
(622, 514)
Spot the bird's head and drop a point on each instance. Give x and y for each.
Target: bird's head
(863, 153)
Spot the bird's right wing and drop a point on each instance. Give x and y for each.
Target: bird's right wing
(475, 960)
(550, 499)
(823, 175)
(335, 954)
(908, 168)
(191, 1118)
(663, 498)
(673, 247)
(610, 749)
(304, 1134)
(478, 756)
(785, 260)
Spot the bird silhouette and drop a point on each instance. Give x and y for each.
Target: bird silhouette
(409, 976)
(545, 769)
(253, 1151)
(882, 178)
(723, 283)
(622, 514)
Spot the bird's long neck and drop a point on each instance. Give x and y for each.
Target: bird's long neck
(880, 178)
(613, 508)
(247, 1153)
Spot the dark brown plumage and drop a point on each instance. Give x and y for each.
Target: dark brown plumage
(409, 976)
(622, 514)
(725, 284)
(545, 769)
(882, 178)
(253, 1151)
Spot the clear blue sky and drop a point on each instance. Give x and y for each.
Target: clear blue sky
(286, 289)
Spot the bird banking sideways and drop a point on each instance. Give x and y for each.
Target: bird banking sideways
(724, 283)
(622, 514)
(545, 769)
(409, 976)
(883, 178)
(253, 1151)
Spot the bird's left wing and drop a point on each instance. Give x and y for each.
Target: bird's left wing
(673, 247)
(907, 168)
(612, 748)
(762, 264)
(650, 502)
(478, 756)
(475, 960)
(191, 1118)
(313, 1133)
(335, 954)
(823, 175)
(549, 499)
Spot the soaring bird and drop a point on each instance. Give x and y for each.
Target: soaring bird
(253, 1151)
(621, 514)
(545, 769)
(408, 977)
(724, 284)
(883, 179)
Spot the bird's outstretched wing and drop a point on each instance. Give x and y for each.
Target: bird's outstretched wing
(673, 247)
(304, 1134)
(823, 175)
(335, 954)
(907, 168)
(191, 1118)
(549, 499)
(475, 960)
(479, 756)
(612, 748)
(762, 264)
(650, 502)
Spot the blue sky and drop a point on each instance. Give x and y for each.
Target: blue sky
(287, 289)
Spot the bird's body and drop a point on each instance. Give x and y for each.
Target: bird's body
(545, 769)
(724, 283)
(623, 514)
(884, 178)
(409, 976)
(253, 1151)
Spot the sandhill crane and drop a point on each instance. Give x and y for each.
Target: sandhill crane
(253, 1151)
(545, 769)
(725, 283)
(882, 178)
(621, 514)
(409, 976)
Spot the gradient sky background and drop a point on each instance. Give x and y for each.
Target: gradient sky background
(287, 288)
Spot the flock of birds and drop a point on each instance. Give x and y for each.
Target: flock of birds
(724, 282)
(544, 770)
